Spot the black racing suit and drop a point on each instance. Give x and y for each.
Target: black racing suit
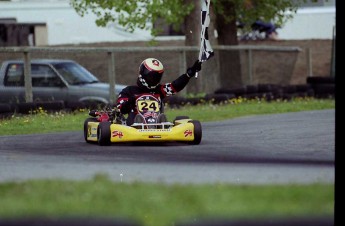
(126, 100)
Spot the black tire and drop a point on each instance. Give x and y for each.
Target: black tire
(264, 88)
(239, 91)
(264, 96)
(175, 101)
(303, 87)
(193, 100)
(86, 127)
(51, 105)
(218, 98)
(103, 133)
(180, 117)
(252, 89)
(324, 90)
(5, 108)
(74, 105)
(289, 89)
(25, 108)
(197, 132)
(320, 80)
(5, 111)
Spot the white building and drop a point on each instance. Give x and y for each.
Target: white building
(310, 23)
(55, 22)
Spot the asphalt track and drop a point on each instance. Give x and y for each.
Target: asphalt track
(276, 149)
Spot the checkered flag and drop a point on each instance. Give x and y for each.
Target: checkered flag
(206, 51)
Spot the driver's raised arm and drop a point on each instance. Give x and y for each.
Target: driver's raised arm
(178, 84)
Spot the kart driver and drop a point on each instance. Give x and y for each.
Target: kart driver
(151, 71)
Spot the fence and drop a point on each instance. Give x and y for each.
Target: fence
(27, 52)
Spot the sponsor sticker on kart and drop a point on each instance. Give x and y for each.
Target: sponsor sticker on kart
(188, 132)
(155, 136)
(154, 130)
(91, 131)
(117, 134)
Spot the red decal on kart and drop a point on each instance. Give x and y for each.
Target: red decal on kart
(152, 114)
(155, 136)
(188, 133)
(117, 133)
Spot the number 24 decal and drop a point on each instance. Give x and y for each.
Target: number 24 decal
(148, 105)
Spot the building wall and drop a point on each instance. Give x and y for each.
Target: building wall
(64, 25)
(310, 23)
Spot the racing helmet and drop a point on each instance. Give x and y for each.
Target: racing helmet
(150, 73)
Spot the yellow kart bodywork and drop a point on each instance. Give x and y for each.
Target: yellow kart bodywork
(185, 130)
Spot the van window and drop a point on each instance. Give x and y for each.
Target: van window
(75, 74)
(42, 76)
(14, 75)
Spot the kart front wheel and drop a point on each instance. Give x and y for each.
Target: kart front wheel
(103, 133)
(197, 132)
(86, 127)
(180, 117)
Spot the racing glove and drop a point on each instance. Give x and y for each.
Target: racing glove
(193, 69)
(128, 105)
(93, 113)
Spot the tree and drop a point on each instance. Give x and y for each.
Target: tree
(225, 14)
(228, 13)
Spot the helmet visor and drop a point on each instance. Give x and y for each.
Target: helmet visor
(152, 78)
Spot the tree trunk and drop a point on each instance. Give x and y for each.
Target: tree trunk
(208, 80)
(192, 33)
(229, 61)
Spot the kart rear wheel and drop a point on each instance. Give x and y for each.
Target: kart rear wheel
(103, 133)
(86, 130)
(197, 132)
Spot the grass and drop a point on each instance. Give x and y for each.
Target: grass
(155, 203)
(43, 122)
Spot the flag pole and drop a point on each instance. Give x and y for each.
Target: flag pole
(205, 48)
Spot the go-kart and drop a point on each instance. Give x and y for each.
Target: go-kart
(150, 125)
